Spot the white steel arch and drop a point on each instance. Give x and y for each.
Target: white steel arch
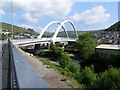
(40, 36)
(60, 26)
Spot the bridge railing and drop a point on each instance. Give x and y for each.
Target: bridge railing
(22, 73)
(13, 76)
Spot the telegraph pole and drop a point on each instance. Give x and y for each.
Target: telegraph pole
(11, 20)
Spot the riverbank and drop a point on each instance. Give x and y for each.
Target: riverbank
(51, 76)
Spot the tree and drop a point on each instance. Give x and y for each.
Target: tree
(2, 36)
(74, 68)
(56, 50)
(101, 63)
(109, 79)
(64, 60)
(86, 45)
(87, 77)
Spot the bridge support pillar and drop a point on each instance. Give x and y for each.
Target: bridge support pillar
(37, 47)
(48, 45)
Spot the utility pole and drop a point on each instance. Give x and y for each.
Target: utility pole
(11, 20)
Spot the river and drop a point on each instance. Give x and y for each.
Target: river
(75, 61)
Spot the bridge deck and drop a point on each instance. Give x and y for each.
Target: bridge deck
(38, 41)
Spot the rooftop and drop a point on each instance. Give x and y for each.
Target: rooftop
(106, 46)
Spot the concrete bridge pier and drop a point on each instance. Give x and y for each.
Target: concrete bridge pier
(37, 47)
(48, 45)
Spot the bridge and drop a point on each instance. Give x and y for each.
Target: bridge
(39, 41)
(53, 39)
(15, 71)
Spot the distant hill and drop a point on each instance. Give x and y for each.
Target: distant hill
(114, 27)
(63, 34)
(16, 29)
(19, 30)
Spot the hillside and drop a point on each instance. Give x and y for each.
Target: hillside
(19, 30)
(16, 29)
(63, 34)
(114, 27)
(70, 33)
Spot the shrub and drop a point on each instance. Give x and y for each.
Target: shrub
(56, 50)
(64, 60)
(101, 63)
(41, 52)
(2, 37)
(63, 72)
(109, 79)
(87, 77)
(74, 68)
(60, 69)
(69, 74)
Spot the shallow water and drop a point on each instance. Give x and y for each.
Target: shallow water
(75, 61)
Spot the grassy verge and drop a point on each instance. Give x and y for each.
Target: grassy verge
(62, 71)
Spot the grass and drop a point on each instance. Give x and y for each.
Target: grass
(61, 71)
(48, 63)
(16, 29)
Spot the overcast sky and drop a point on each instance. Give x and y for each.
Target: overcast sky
(85, 15)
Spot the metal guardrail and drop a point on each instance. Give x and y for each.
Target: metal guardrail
(0, 65)
(22, 73)
(13, 76)
(7, 66)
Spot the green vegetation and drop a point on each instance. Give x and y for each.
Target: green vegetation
(87, 78)
(109, 79)
(63, 34)
(63, 71)
(16, 29)
(114, 27)
(56, 51)
(68, 67)
(86, 45)
(41, 52)
(101, 63)
(2, 37)
(64, 60)
(74, 68)
(92, 72)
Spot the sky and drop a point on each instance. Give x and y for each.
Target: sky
(36, 14)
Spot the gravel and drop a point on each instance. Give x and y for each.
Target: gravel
(53, 78)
